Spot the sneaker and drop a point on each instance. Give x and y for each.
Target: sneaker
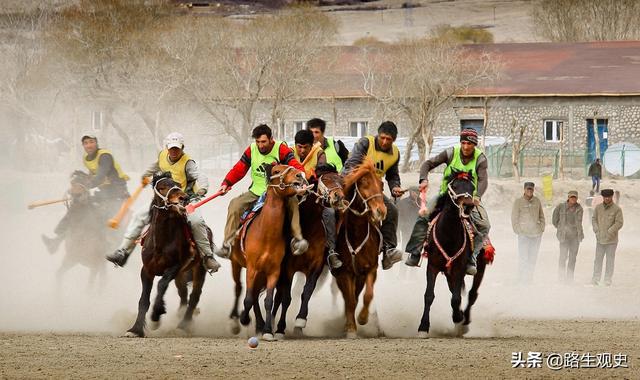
(211, 264)
(390, 257)
(334, 260)
(52, 244)
(471, 270)
(299, 246)
(594, 282)
(607, 282)
(413, 260)
(119, 257)
(224, 251)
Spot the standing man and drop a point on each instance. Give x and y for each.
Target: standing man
(385, 156)
(527, 220)
(464, 157)
(595, 172)
(607, 221)
(185, 173)
(334, 149)
(263, 150)
(107, 176)
(567, 219)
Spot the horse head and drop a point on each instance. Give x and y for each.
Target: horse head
(460, 190)
(330, 187)
(79, 187)
(286, 180)
(168, 194)
(368, 187)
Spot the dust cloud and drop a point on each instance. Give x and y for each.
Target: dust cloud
(35, 300)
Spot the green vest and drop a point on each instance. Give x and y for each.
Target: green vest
(258, 176)
(332, 155)
(456, 163)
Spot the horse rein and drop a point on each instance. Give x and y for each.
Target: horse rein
(467, 231)
(364, 200)
(324, 192)
(165, 199)
(454, 197)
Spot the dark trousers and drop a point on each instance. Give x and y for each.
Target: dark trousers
(329, 224)
(602, 251)
(567, 259)
(390, 225)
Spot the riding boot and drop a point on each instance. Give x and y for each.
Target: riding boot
(413, 260)
(391, 256)
(299, 246)
(334, 260)
(52, 244)
(224, 251)
(472, 263)
(119, 257)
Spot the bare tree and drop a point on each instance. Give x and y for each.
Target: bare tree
(587, 20)
(519, 137)
(419, 78)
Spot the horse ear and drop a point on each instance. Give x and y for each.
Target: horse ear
(158, 176)
(267, 169)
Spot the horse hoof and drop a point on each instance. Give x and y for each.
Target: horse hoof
(245, 321)
(461, 329)
(131, 334)
(154, 325)
(196, 311)
(301, 323)
(279, 336)
(423, 334)
(297, 331)
(362, 320)
(268, 337)
(234, 326)
(352, 335)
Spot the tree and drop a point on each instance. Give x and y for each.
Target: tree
(419, 78)
(519, 137)
(587, 20)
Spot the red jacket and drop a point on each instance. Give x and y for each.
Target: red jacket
(241, 168)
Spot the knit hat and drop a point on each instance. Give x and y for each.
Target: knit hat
(469, 135)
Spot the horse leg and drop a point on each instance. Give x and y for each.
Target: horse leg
(307, 292)
(473, 293)
(455, 286)
(137, 331)
(363, 317)
(183, 292)
(235, 270)
(158, 305)
(194, 298)
(257, 312)
(272, 281)
(348, 289)
(429, 296)
(285, 294)
(245, 319)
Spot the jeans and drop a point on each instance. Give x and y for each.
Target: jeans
(389, 226)
(528, 247)
(602, 251)
(567, 259)
(595, 183)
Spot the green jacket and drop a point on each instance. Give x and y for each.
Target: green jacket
(568, 228)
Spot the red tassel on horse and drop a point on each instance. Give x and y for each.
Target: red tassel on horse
(489, 251)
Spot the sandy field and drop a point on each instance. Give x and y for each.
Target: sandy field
(66, 328)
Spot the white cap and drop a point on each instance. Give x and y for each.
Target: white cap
(174, 140)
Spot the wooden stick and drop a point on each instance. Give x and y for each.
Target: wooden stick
(115, 221)
(33, 205)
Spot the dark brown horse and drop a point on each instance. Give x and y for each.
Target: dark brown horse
(359, 241)
(264, 246)
(168, 252)
(329, 194)
(449, 245)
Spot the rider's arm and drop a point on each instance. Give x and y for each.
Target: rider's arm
(287, 157)
(239, 169)
(357, 154)
(443, 157)
(195, 177)
(393, 177)
(105, 165)
(153, 169)
(483, 175)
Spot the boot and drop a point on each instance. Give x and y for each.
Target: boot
(52, 244)
(119, 256)
(472, 265)
(224, 251)
(210, 264)
(413, 260)
(334, 260)
(390, 257)
(299, 246)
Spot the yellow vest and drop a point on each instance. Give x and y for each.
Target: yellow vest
(382, 160)
(92, 165)
(311, 161)
(177, 169)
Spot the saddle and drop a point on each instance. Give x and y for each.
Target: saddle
(247, 218)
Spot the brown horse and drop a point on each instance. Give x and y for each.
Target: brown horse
(168, 252)
(264, 246)
(359, 241)
(329, 194)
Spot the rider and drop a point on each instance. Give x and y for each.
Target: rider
(385, 156)
(264, 150)
(106, 175)
(312, 156)
(184, 171)
(334, 149)
(464, 157)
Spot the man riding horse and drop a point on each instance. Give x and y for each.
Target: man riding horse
(464, 157)
(334, 150)
(184, 171)
(107, 176)
(263, 150)
(312, 156)
(385, 156)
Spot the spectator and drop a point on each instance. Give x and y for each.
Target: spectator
(567, 218)
(607, 221)
(527, 220)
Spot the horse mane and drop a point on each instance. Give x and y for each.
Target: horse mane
(325, 169)
(357, 172)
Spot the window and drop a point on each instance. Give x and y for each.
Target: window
(298, 126)
(96, 120)
(553, 130)
(472, 124)
(358, 128)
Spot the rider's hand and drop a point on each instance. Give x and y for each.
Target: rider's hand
(223, 189)
(476, 201)
(145, 180)
(201, 192)
(397, 191)
(424, 185)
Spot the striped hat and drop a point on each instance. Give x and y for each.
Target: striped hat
(469, 135)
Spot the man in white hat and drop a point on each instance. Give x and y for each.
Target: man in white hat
(184, 171)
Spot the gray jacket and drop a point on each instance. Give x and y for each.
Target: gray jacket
(568, 222)
(607, 221)
(527, 217)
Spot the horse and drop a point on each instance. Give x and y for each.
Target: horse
(168, 252)
(330, 194)
(262, 248)
(359, 229)
(449, 244)
(84, 221)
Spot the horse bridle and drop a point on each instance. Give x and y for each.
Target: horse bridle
(282, 185)
(324, 193)
(165, 198)
(454, 197)
(364, 200)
